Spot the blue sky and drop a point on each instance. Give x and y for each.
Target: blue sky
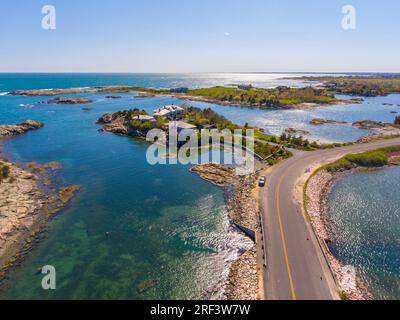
(199, 36)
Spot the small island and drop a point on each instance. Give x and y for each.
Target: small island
(8, 130)
(113, 97)
(319, 121)
(70, 101)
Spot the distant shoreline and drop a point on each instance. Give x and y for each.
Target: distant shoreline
(149, 92)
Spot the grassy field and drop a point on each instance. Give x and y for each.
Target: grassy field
(369, 159)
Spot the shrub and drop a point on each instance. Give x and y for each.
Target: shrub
(4, 172)
(378, 158)
(397, 120)
(369, 159)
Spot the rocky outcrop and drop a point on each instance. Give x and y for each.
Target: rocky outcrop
(319, 121)
(20, 204)
(243, 277)
(16, 129)
(114, 123)
(67, 193)
(120, 123)
(295, 131)
(118, 127)
(113, 97)
(107, 118)
(215, 173)
(70, 100)
(370, 125)
(25, 208)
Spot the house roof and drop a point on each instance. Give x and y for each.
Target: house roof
(164, 110)
(183, 125)
(143, 117)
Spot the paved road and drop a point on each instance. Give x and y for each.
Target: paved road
(296, 268)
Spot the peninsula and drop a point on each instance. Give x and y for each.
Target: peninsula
(137, 123)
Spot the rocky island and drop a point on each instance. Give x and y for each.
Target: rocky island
(319, 121)
(70, 101)
(20, 128)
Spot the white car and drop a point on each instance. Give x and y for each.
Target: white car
(261, 181)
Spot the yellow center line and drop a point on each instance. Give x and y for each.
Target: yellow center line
(283, 238)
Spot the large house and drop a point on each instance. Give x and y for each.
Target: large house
(181, 125)
(170, 112)
(144, 118)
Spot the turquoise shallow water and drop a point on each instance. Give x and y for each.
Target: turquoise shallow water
(133, 222)
(365, 215)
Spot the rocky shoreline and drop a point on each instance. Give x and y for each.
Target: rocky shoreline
(27, 201)
(9, 130)
(318, 188)
(242, 206)
(26, 204)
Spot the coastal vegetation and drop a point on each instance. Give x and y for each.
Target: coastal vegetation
(4, 172)
(249, 97)
(360, 86)
(298, 142)
(369, 159)
(127, 122)
(397, 120)
(207, 118)
(276, 97)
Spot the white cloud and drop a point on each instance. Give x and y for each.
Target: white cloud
(227, 34)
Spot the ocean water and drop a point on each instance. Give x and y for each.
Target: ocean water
(14, 81)
(133, 224)
(365, 215)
